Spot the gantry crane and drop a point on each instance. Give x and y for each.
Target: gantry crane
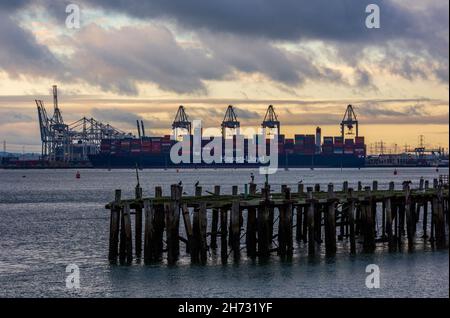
(181, 124)
(75, 141)
(230, 121)
(271, 121)
(349, 121)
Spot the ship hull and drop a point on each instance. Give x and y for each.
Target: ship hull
(159, 161)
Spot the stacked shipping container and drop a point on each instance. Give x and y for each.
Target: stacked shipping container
(300, 144)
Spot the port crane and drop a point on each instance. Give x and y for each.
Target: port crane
(349, 121)
(181, 124)
(230, 121)
(71, 142)
(271, 121)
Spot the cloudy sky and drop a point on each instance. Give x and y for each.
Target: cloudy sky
(134, 59)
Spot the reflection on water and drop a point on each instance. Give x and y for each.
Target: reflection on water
(51, 219)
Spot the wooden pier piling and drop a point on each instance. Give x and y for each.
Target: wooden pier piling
(114, 228)
(235, 230)
(252, 228)
(215, 221)
(330, 222)
(138, 223)
(352, 213)
(310, 222)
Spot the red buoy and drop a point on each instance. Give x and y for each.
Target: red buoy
(395, 172)
(78, 175)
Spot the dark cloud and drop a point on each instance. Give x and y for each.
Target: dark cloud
(342, 20)
(233, 37)
(10, 5)
(364, 79)
(253, 55)
(152, 55)
(21, 54)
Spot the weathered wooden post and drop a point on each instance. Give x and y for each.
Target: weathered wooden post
(374, 185)
(299, 212)
(359, 186)
(300, 187)
(203, 228)
(172, 224)
(285, 244)
(305, 222)
(114, 227)
(251, 226)
(128, 234)
(187, 227)
(196, 237)
(310, 220)
(122, 237)
(235, 230)
(149, 233)
(318, 217)
(289, 224)
(369, 226)
(317, 187)
(435, 183)
(234, 192)
(196, 230)
(345, 187)
(410, 219)
(351, 220)
(138, 221)
(391, 186)
(263, 224)
(215, 221)
(330, 221)
(159, 224)
(223, 235)
(439, 222)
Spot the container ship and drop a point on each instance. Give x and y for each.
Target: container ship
(301, 151)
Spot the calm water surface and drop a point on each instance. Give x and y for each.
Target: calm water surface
(51, 219)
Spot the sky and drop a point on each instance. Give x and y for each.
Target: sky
(132, 59)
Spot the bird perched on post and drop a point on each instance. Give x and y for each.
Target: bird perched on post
(197, 183)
